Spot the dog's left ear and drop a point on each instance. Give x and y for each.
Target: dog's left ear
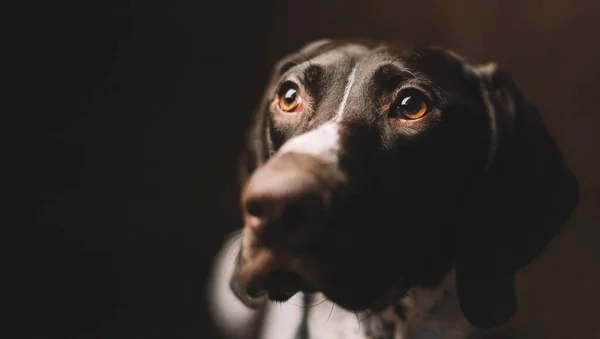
(522, 200)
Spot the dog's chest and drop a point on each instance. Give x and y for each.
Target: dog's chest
(321, 319)
(318, 319)
(327, 321)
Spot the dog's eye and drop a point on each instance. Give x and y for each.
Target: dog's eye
(412, 105)
(288, 97)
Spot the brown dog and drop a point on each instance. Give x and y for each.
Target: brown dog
(396, 180)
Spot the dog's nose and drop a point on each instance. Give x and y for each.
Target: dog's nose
(292, 190)
(283, 194)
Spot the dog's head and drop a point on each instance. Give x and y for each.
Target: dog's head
(373, 168)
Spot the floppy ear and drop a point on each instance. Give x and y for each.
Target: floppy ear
(521, 201)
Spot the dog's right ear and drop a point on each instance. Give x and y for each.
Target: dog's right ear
(258, 146)
(523, 199)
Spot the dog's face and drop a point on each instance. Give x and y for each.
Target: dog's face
(362, 160)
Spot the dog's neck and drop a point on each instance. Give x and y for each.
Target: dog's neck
(425, 313)
(432, 313)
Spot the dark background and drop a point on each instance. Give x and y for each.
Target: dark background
(127, 117)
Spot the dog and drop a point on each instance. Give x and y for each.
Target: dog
(388, 191)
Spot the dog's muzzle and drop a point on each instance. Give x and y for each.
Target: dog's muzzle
(285, 204)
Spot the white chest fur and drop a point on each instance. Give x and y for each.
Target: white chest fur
(428, 314)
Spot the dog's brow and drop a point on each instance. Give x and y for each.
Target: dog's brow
(289, 65)
(395, 69)
(312, 76)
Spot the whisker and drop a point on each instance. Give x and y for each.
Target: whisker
(411, 73)
(309, 306)
(330, 311)
(414, 75)
(357, 319)
(305, 58)
(368, 315)
(291, 62)
(317, 304)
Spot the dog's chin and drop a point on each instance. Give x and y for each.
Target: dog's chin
(352, 303)
(359, 299)
(281, 285)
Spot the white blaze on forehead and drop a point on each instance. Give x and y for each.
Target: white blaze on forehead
(340, 111)
(322, 142)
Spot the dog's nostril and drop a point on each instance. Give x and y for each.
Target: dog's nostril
(294, 214)
(286, 197)
(256, 208)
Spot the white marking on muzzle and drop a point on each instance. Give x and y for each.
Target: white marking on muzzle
(322, 142)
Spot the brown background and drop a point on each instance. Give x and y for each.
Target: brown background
(140, 109)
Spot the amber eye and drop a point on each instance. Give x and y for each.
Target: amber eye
(411, 105)
(288, 97)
